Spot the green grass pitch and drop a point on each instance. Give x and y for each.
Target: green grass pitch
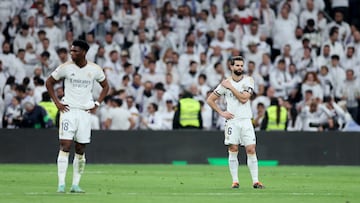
(20, 183)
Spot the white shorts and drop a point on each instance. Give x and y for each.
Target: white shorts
(75, 124)
(239, 132)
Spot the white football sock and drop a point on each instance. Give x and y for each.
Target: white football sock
(79, 166)
(62, 164)
(234, 166)
(252, 163)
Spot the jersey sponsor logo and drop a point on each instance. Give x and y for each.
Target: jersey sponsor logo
(78, 83)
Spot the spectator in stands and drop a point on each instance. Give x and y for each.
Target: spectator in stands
(234, 33)
(356, 42)
(23, 38)
(35, 116)
(259, 86)
(184, 22)
(100, 57)
(266, 16)
(160, 97)
(285, 55)
(12, 28)
(254, 54)
(349, 61)
(113, 69)
(117, 32)
(168, 115)
(172, 87)
(343, 27)
(110, 45)
(140, 49)
(46, 65)
(280, 80)
(191, 76)
(144, 93)
(307, 63)
(311, 82)
(165, 38)
(337, 74)
(350, 92)
(215, 19)
(12, 114)
(152, 75)
(63, 55)
(265, 67)
(321, 22)
(215, 74)
(94, 46)
(314, 117)
(40, 12)
(336, 114)
(135, 114)
(311, 33)
(259, 117)
(310, 12)
(253, 36)
(63, 19)
(118, 118)
(293, 4)
(242, 14)
(151, 120)
(39, 89)
(336, 47)
(324, 59)
(202, 85)
(45, 46)
(283, 30)
(326, 81)
(66, 43)
(295, 83)
(53, 32)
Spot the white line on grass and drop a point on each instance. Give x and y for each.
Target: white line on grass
(189, 194)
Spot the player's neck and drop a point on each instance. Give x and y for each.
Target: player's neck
(237, 78)
(81, 63)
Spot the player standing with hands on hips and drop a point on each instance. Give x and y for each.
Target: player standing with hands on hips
(239, 130)
(79, 76)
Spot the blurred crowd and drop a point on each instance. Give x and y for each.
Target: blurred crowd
(304, 56)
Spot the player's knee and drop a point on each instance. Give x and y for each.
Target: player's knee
(65, 148)
(79, 148)
(250, 150)
(233, 148)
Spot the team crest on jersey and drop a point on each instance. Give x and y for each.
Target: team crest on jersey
(89, 75)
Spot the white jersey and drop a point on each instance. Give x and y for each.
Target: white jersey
(79, 83)
(234, 106)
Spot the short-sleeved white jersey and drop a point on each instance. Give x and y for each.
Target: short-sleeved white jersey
(234, 106)
(78, 83)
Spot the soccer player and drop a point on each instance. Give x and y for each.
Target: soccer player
(79, 76)
(239, 130)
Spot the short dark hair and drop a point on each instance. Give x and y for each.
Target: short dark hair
(236, 58)
(81, 43)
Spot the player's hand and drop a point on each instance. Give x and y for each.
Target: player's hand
(62, 107)
(226, 83)
(227, 115)
(93, 110)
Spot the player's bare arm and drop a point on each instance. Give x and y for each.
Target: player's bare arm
(50, 82)
(211, 100)
(243, 97)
